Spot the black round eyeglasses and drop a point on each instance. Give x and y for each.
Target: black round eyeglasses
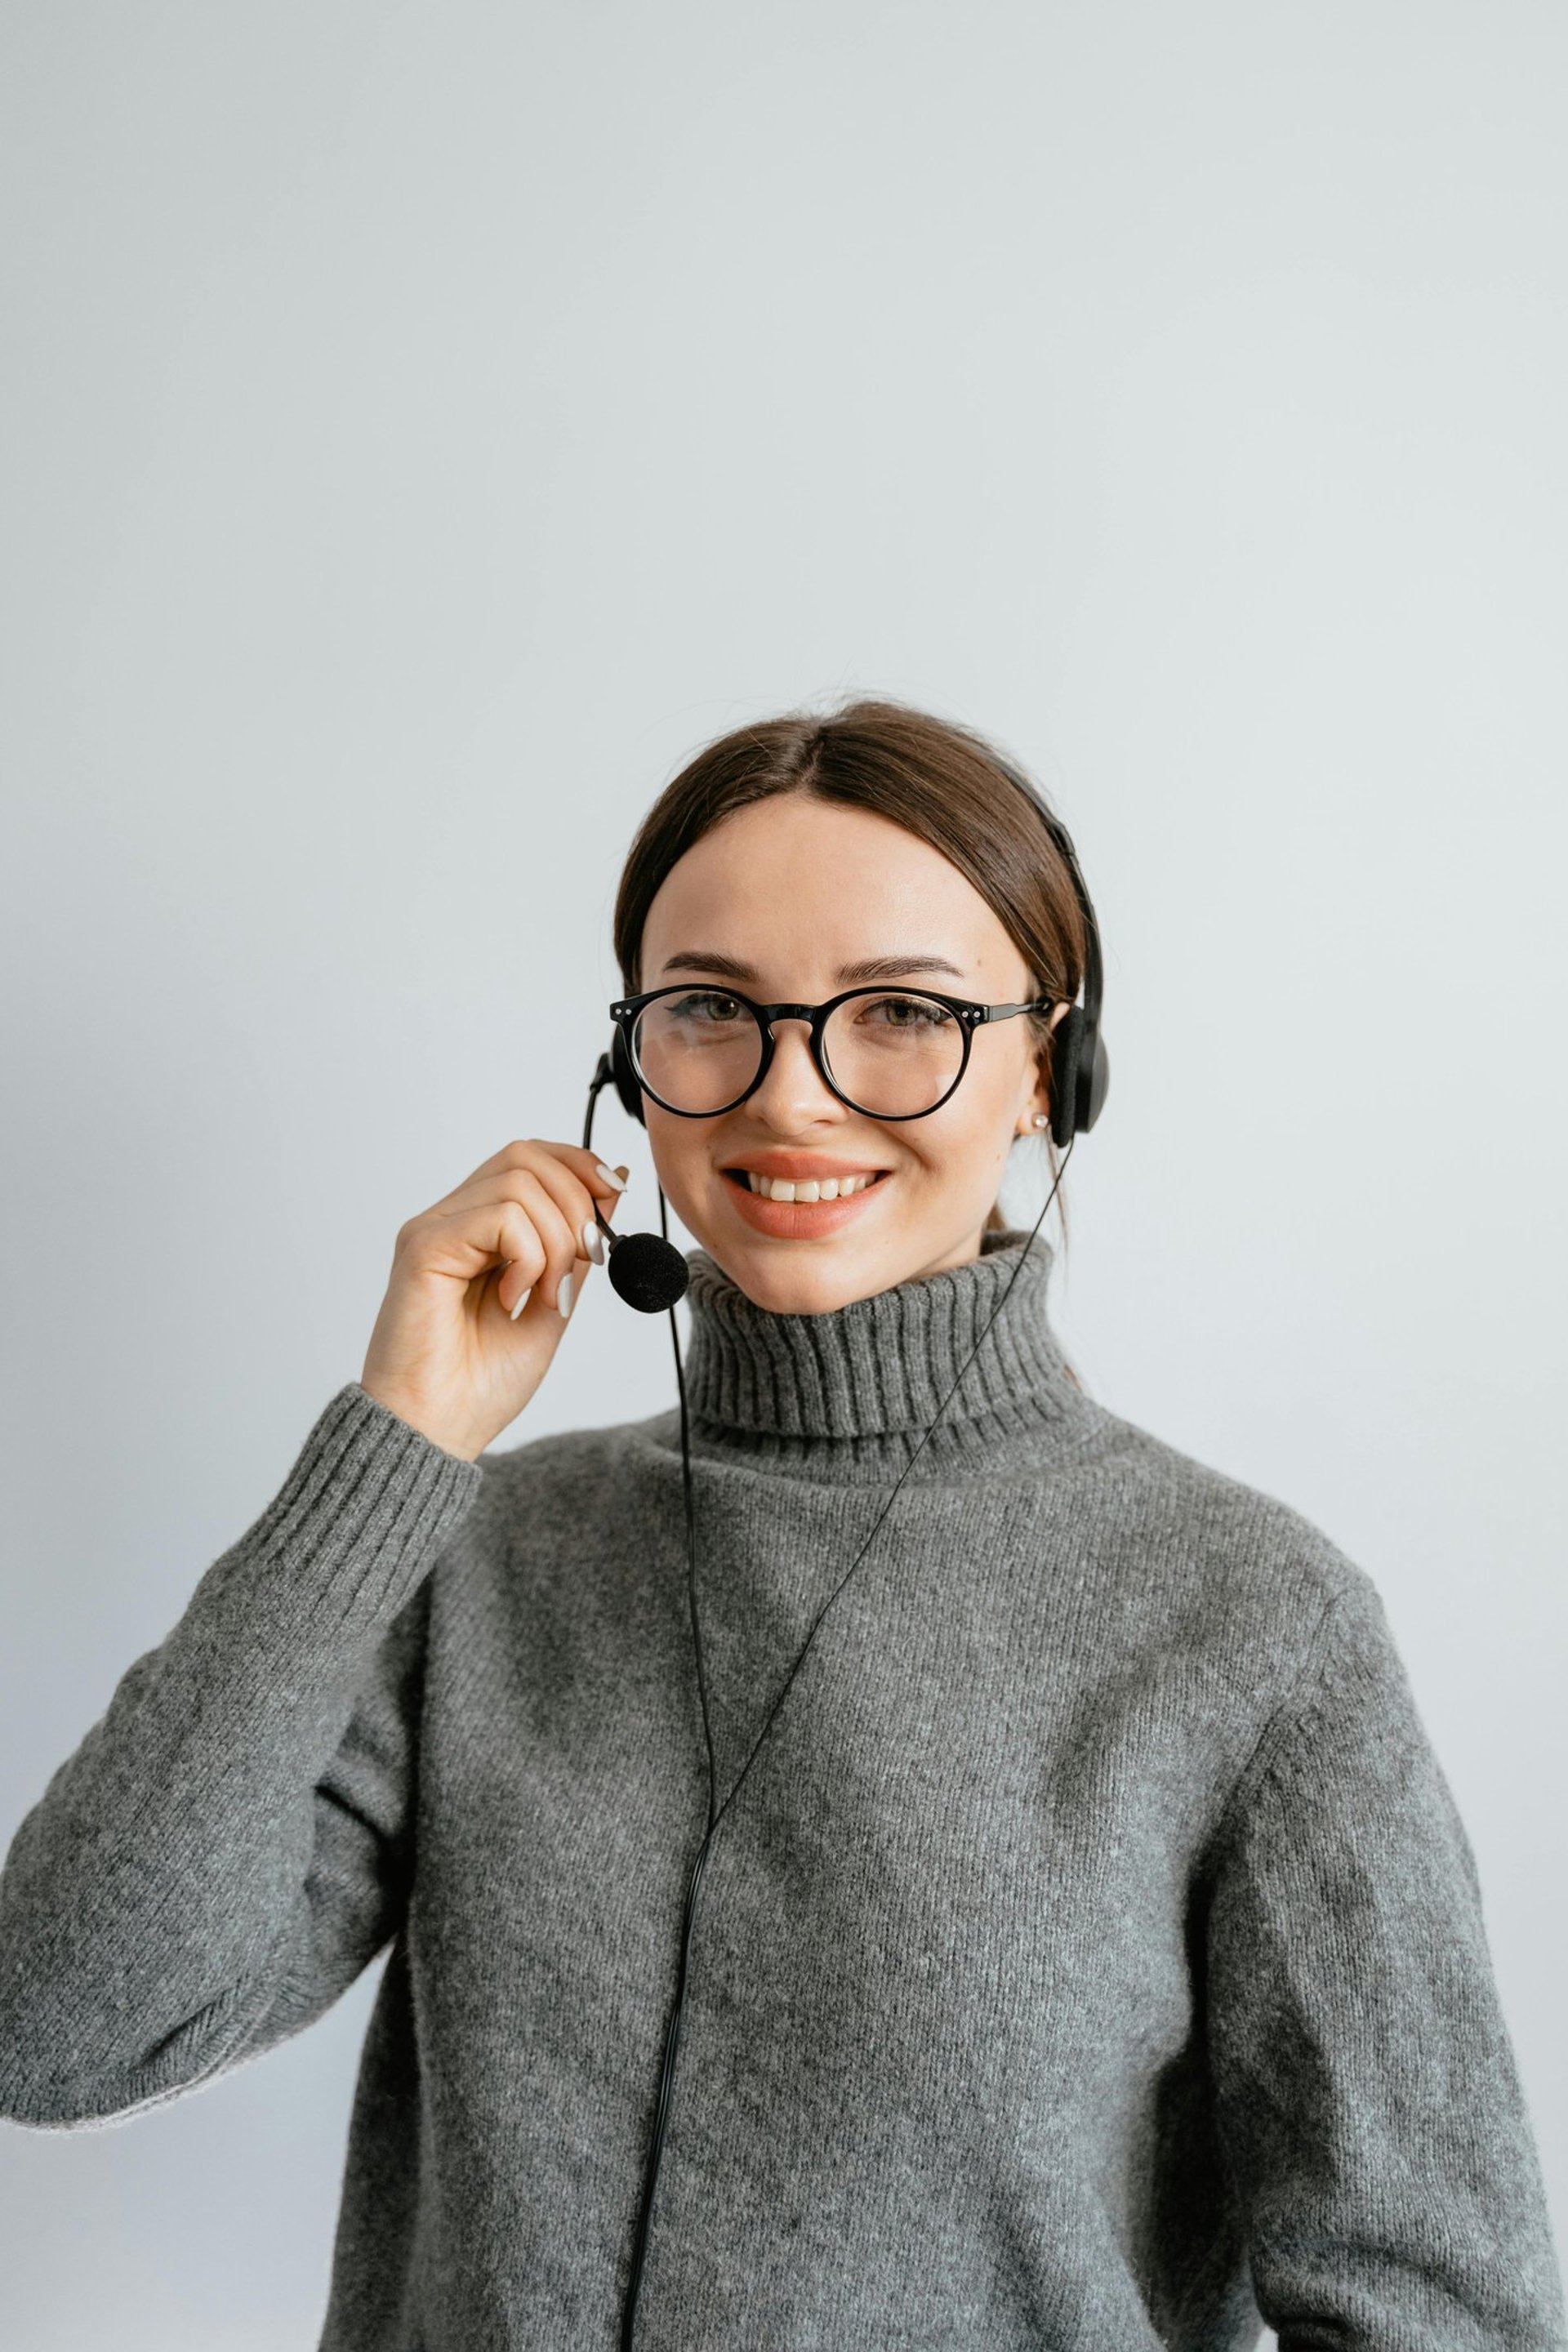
(891, 1054)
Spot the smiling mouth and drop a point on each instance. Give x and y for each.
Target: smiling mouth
(802, 1189)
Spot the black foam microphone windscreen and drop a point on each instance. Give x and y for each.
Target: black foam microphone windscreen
(647, 1272)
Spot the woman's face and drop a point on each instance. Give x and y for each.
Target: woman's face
(788, 893)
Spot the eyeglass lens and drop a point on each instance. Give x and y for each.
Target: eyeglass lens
(893, 1054)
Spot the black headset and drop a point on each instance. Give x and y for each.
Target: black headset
(650, 1273)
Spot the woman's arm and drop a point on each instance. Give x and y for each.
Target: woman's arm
(225, 1849)
(1368, 2094)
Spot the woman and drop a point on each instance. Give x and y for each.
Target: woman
(1093, 1956)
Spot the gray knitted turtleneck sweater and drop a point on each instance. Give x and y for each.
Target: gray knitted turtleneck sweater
(1093, 1959)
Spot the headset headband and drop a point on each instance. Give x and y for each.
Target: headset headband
(1093, 976)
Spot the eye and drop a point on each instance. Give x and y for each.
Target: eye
(911, 1012)
(704, 1006)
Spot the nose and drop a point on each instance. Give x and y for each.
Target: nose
(795, 1091)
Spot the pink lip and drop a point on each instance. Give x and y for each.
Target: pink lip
(798, 1220)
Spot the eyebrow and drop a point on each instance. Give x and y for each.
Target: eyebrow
(886, 967)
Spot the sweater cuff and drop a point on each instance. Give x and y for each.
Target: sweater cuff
(348, 1537)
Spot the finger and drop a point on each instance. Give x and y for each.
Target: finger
(523, 1224)
(532, 1152)
(513, 1291)
(577, 1203)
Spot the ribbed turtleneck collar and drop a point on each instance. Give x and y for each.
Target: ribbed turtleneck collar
(850, 1392)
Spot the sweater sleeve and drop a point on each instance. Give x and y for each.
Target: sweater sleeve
(1368, 2095)
(225, 1849)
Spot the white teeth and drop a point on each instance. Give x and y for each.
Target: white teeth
(831, 1188)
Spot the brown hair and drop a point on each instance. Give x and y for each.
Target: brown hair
(940, 780)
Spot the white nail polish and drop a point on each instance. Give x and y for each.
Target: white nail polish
(593, 1242)
(523, 1302)
(563, 1297)
(609, 1176)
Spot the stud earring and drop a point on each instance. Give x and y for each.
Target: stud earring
(1042, 1118)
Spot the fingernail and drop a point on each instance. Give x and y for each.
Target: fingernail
(610, 1175)
(523, 1302)
(563, 1297)
(593, 1242)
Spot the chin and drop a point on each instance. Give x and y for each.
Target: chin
(804, 1278)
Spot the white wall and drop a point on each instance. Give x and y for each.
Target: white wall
(422, 428)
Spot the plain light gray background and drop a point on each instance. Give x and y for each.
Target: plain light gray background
(423, 429)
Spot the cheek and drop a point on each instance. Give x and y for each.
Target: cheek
(971, 1132)
(678, 1151)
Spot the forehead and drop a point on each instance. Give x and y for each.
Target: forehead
(793, 884)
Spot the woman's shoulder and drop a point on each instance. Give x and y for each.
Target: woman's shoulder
(1207, 1543)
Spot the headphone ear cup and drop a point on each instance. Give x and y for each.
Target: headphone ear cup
(1093, 1084)
(626, 1077)
(1067, 1044)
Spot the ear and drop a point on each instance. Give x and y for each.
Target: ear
(1040, 1099)
(1040, 1102)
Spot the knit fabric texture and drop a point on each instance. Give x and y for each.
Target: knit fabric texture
(1093, 1958)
